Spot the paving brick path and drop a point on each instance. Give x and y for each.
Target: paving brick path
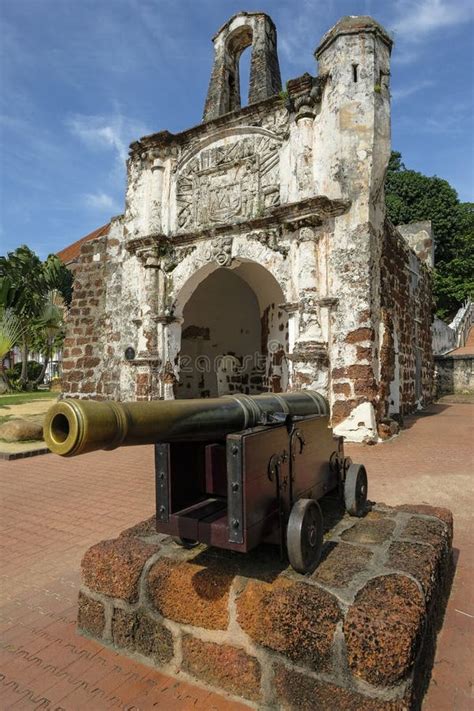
(53, 509)
(468, 347)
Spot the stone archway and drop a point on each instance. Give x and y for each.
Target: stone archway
(234, 336)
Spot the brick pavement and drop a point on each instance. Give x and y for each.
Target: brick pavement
(468, 347)
(53, 509)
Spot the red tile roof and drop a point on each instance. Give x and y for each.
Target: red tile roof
(70, 254)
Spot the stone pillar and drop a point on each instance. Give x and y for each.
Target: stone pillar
(170, 349)
(148, 342)
(154, 197)
(148, 358)
(309, 357)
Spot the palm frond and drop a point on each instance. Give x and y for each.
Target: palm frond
(11, 331)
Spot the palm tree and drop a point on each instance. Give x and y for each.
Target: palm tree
(25, 286)
(47, 327)
(11, 332)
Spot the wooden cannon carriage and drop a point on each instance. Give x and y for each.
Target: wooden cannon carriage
(231, 472)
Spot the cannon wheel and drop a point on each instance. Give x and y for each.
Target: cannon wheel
(185, 542)
(304, 535)
(355, 489)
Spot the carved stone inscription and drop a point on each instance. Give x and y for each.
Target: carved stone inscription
(231, 182)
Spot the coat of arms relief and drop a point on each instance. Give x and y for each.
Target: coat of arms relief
(231, 182)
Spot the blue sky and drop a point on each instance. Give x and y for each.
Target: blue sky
(81, 79)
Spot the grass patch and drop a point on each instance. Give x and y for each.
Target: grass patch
(22, 398)
(5, 418)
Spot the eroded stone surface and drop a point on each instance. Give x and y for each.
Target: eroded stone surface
(191, 593)
(298, 692)
(296, 619)
(114, 567)
(139, 632)
(91, 616)
(144, 528)
(436, 511)
(383, 629)
(291, 621)
(341, 562)
(415, 558)
(426, 531)
(369, 531)
(222, 665)
(21, 430)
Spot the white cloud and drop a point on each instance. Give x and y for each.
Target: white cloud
(107, 132)
(406, 91)
(414, 19)
(102, 202)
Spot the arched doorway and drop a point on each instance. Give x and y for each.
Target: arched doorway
(234, 336)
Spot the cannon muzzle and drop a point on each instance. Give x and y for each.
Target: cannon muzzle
(77, 426)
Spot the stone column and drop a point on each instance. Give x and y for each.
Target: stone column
(148, 358)
(154, 198)
(310, 355)
(291, 308)
(170, 347)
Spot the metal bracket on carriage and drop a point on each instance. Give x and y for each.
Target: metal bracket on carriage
(273, 418)
(276, 460)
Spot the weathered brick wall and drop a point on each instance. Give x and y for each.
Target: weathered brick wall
(83, 346)
(90, 357)
(406, 301)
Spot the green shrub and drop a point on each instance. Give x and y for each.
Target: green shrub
(33, 370)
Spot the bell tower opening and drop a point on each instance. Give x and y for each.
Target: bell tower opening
(253, 30)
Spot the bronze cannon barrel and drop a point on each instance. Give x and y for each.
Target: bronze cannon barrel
(77, 426)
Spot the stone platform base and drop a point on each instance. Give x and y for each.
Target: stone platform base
(359, 633)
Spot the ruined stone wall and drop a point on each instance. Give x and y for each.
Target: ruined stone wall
(95, 330)
(454, 374)
(83, 347)
(406, 358)
(287, 194)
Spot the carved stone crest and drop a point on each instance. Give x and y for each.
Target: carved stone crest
(230, 182)
(220, 251)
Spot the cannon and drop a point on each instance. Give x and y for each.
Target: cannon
(232, 471)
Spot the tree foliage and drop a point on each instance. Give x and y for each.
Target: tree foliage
(30, 288)
(412, 197)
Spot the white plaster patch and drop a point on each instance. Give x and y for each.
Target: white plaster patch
(360, 426)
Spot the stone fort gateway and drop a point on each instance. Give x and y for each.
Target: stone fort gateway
(254, 253)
